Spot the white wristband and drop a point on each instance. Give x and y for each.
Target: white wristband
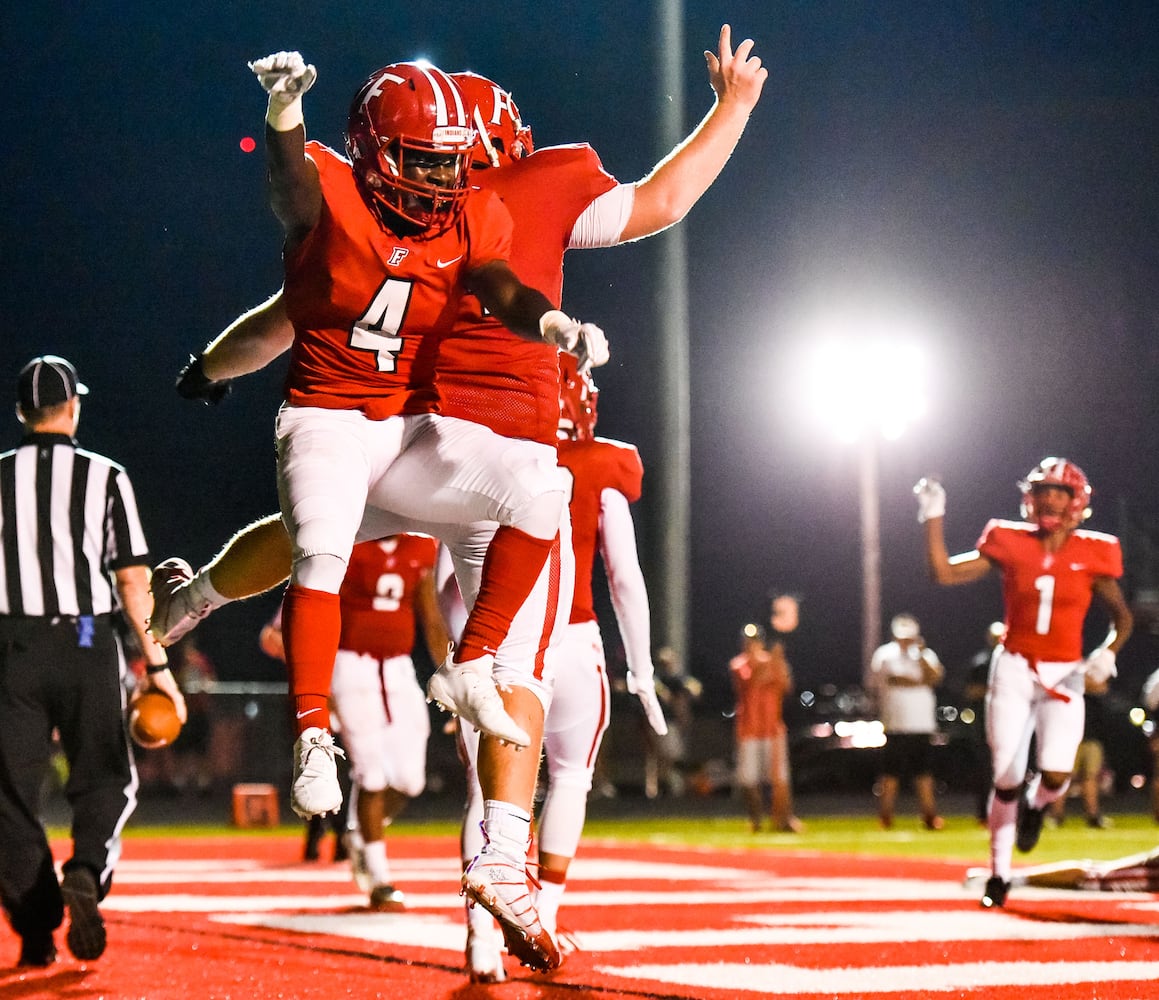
(283, 117)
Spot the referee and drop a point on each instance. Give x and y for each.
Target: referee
(72, 555)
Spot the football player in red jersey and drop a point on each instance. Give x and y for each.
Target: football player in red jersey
(561, 198)
(606, 478)
(1050, 570)
(388, 590)
(378, 252)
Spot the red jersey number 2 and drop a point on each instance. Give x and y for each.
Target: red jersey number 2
(376, 329)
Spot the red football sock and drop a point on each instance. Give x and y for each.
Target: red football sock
(311, 623)
(513, 563)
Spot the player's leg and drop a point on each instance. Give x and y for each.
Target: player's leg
(507, 775)
(456, 471)
(573, 731)
(327, 460)
(1009, 726)
(484, 952)
(254, 560)
(1058, 727)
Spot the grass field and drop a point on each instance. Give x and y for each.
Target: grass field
(962, 838)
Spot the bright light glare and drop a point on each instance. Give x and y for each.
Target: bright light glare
(862, 734)
(868, 383)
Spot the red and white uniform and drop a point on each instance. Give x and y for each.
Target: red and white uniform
(1036, 679)
(607, 476)
(365, 305)
(493, 444)
(378, 699)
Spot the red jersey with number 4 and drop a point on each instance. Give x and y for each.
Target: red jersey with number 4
(1047, 594)
(485, 373)
(365, 303)
(378, 594)
(595, 466)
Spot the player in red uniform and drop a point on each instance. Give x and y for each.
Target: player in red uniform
(388, 589)
(378, 253)
(1050, 570)
(605, 214)
(606, 478)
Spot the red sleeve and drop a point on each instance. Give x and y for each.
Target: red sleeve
(489, 228)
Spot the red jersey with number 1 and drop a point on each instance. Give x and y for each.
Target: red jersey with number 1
(366, 303)
(378, 594)
(595, 465)
(485, 373)
(1047, 594)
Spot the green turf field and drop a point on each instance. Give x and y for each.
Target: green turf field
(962, 837)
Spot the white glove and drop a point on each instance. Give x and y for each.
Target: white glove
(285, 76)
(645, 690)
(585, 340)
(1100, 666)
(931, 499)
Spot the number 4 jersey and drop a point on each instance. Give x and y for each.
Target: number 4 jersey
(364, 301)
(1047, 594)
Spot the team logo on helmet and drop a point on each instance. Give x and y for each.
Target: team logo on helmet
(1065, 475)
(410, 139)
(503, 136)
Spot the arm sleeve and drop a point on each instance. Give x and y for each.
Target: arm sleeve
(625, 579)
(603, 221)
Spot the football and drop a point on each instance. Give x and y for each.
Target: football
(153, 721)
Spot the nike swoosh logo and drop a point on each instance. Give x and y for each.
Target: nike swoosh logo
(309, 711)
(447, 263)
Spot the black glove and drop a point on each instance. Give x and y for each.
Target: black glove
(192, 383)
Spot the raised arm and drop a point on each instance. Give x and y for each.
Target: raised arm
(945, 569)
(676, 183)
(295, 191)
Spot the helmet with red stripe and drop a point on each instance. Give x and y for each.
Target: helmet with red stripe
(1061, 474)
(410, 139)
(503, 135)
(578, 398)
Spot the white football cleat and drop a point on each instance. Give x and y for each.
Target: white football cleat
(502, 888)
(315, 791)
(467, 690)
(174, 612)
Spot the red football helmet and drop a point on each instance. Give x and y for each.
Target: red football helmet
(403, 115)
(496, 117)
(1062, 473)
(578, 397)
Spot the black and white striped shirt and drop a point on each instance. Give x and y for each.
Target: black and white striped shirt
(68, 519)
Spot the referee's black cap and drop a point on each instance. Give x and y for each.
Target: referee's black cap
(47, 381)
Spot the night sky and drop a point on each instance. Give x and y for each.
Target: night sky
(984, 169)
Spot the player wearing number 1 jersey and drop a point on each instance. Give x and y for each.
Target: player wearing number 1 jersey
(1051, 568)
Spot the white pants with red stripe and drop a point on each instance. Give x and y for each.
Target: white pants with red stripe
(385, 724)
(1019, 706)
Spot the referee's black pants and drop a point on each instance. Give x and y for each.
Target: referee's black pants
(59, 674)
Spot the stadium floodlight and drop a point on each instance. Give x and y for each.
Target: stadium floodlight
(868, 382)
